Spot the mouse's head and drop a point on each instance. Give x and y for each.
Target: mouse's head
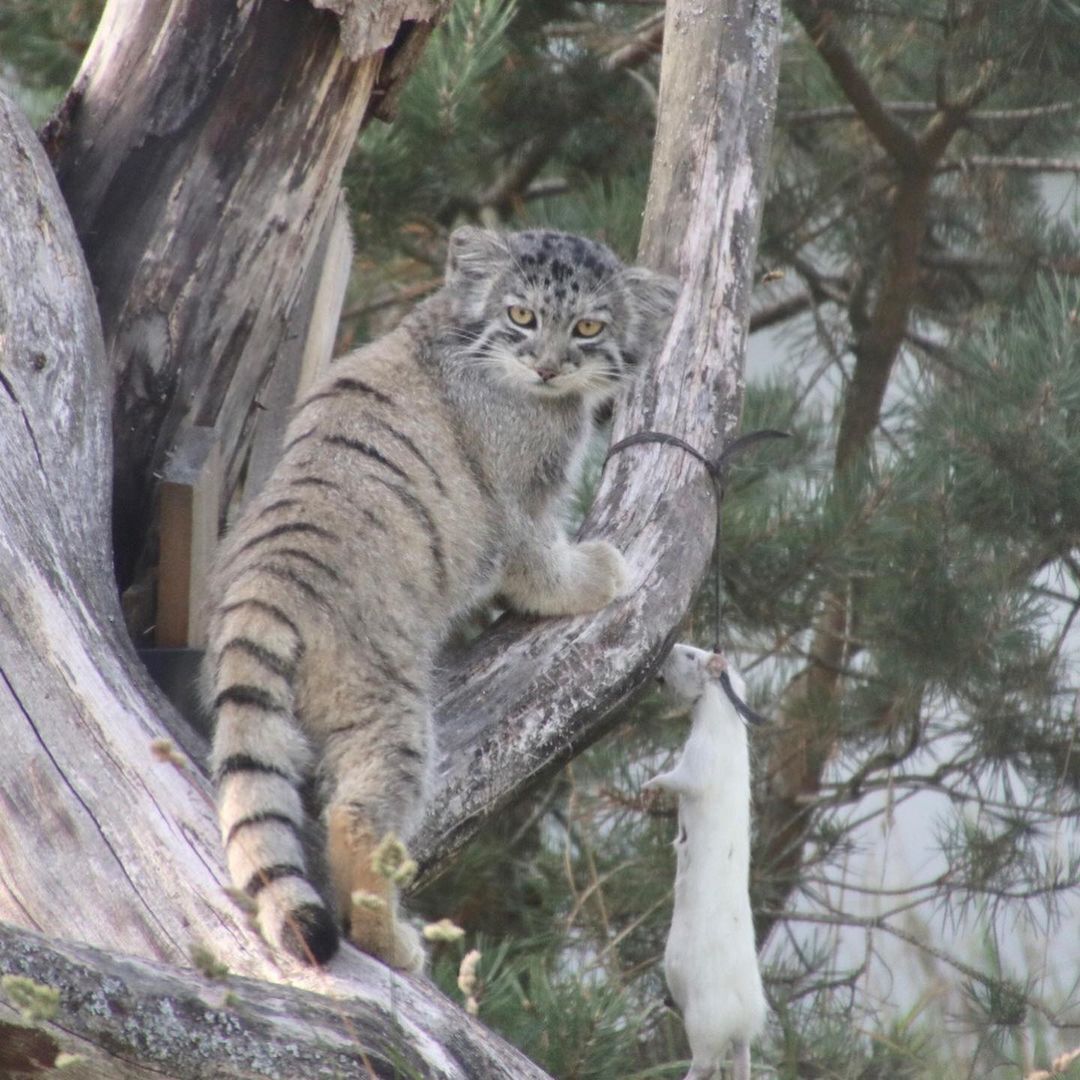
(688, 671)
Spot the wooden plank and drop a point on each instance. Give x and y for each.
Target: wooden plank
(188, 519)
(333, 281)
(302, 357)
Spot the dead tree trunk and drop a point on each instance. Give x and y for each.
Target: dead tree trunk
(106, 835)
(200, 152)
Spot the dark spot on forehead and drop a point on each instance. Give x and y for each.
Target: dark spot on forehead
(560, 270)
(560, 255)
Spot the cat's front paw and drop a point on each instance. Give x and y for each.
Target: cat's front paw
(602, 574)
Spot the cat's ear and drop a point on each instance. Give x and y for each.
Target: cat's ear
(472, 254)
(653, 298)
(474, 258)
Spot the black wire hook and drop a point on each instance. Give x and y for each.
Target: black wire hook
(716, 470)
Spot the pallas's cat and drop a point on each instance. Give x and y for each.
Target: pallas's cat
(423, 474)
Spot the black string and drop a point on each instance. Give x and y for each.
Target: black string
(716, 470)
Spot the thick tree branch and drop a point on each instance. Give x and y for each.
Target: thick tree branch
(129, 1018)
(532, 694)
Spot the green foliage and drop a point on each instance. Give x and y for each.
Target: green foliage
(41, 45)
(400, 173)
(204, 959)
(34, 1001)
(508, 104)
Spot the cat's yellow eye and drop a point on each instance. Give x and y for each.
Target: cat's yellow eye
(521, 316)
(587, 328)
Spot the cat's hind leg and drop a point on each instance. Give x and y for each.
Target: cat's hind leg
(367, 896)
(374, 769)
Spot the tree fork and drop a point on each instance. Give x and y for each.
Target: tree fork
(533, 693)
(200, 150)
(109, 832)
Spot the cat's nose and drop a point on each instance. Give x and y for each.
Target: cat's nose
(546, 373)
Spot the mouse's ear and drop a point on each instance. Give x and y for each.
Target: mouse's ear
(716, 665)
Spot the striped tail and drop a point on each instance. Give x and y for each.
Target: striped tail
(260, 759)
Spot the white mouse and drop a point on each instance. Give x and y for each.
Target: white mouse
(710, 961)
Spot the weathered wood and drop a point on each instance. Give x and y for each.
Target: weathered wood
(530, 695)
(129, 1018)
(189, 513)
(86, 814)
(107, 835)
(305, 351)
(200, 152)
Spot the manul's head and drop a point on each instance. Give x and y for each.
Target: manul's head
(556, 314)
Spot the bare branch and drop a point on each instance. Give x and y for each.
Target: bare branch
(826, 113)
(872, 922)
(818, 21)
(1015, 164)
(643, 47)
(780, 311)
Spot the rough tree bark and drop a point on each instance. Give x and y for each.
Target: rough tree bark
(109, 838)
(130, 1018)
(200, 151)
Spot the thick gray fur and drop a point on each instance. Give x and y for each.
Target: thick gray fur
(424, 474)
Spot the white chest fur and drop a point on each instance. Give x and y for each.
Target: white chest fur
(710, 961)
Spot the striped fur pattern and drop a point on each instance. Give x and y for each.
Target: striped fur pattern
(423, 474)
